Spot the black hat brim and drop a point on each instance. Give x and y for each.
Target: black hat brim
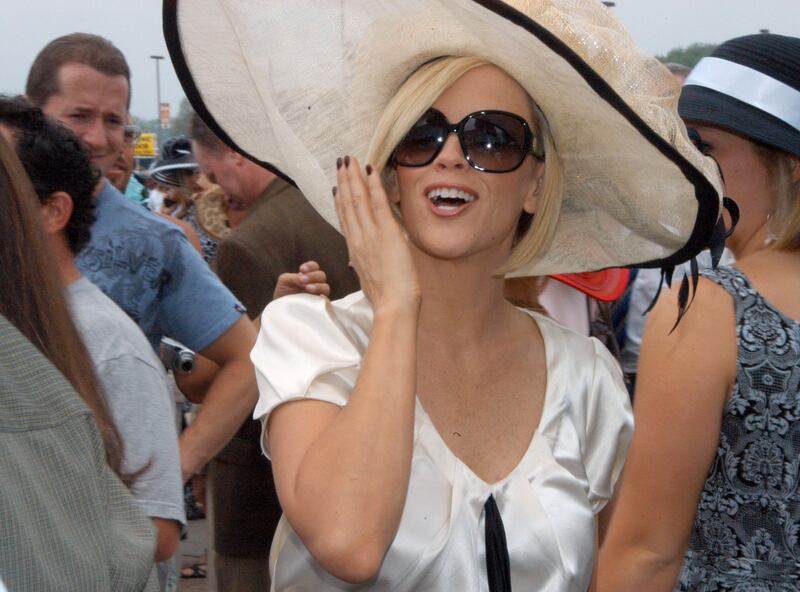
(701, 104)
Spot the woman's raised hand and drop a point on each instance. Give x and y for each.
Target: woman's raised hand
(377, 246)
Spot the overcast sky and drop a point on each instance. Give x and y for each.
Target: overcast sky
(135, 27)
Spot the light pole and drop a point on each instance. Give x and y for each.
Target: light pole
(157, 59)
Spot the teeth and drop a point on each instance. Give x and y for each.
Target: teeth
(450, 193)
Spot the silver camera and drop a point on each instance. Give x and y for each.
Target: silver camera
(176, 357)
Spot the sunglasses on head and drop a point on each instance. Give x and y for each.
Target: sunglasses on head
(492, 141)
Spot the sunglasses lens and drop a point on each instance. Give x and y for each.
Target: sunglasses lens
(495, 141)
(423, 141)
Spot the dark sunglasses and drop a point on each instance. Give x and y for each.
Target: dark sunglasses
(492, 141)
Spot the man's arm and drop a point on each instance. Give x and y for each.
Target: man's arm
(195, 385)
(229, 400)
(167, 539)
(310, 279)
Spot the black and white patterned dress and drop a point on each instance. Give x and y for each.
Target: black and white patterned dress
(745, 533)
(208, 244)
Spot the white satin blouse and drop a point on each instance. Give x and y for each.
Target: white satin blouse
(309, 347)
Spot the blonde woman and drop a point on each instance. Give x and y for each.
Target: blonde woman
(425, 433)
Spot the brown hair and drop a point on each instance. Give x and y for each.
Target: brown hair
(31, 296)
(199, 132)
(78, 48)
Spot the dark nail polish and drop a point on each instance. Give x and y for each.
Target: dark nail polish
(338, 163)
(347, 161)
(369, 169)
(333, 190)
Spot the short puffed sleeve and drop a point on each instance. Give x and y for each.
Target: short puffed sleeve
(309, 348)
(609, 427)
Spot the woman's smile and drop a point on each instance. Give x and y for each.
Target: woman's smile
(449, 199)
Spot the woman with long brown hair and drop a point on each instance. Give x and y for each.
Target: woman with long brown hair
(59, 492)
(31, 296)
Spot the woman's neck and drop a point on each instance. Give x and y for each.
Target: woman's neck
(461, 301)
(744, 245)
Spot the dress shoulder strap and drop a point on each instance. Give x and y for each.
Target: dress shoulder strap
(731, 280)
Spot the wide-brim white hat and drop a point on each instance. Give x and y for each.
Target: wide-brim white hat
(295, 84)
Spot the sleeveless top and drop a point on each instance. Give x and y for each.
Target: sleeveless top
(311, 348)
(745, 533)
(207, 242)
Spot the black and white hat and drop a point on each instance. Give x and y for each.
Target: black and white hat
(750, 85)
(175, 160)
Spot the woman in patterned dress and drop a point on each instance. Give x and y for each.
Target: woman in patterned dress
(715, 456)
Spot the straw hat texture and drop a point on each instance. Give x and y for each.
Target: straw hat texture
(293, 85)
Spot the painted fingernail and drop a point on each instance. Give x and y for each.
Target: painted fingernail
(304, 278)
(333, 190)
(311, 288)
(369, 169)
(347, 161)
(338, 163)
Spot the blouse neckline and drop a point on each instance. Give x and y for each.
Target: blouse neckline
(546, 405)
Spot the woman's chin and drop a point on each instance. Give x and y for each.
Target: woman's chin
(462, 252)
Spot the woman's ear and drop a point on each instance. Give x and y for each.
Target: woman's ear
(56, 212)
(532, 200)
(794, 164)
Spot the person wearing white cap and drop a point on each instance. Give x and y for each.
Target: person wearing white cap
(714, 460)
(425, 434)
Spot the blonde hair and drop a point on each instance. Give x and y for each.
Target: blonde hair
(785, 222)
(416, 95)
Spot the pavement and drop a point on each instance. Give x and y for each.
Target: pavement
(192, 550)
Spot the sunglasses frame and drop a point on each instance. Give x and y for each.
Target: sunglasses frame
(458, 129)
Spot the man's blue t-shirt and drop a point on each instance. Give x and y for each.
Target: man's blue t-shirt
(148, 267)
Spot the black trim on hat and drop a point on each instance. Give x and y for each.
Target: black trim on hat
(707, 197)
(173, 40)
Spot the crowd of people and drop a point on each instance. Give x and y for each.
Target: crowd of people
(421, 280)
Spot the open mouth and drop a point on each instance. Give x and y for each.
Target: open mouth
(450, 199)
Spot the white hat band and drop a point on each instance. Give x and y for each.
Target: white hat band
(174, 167)
(749, 86)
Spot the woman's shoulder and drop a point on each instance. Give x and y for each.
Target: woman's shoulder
(587, 412)
(351, 314)
(310, 347)
(558, 337)
(313, 331)
(576, 366)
